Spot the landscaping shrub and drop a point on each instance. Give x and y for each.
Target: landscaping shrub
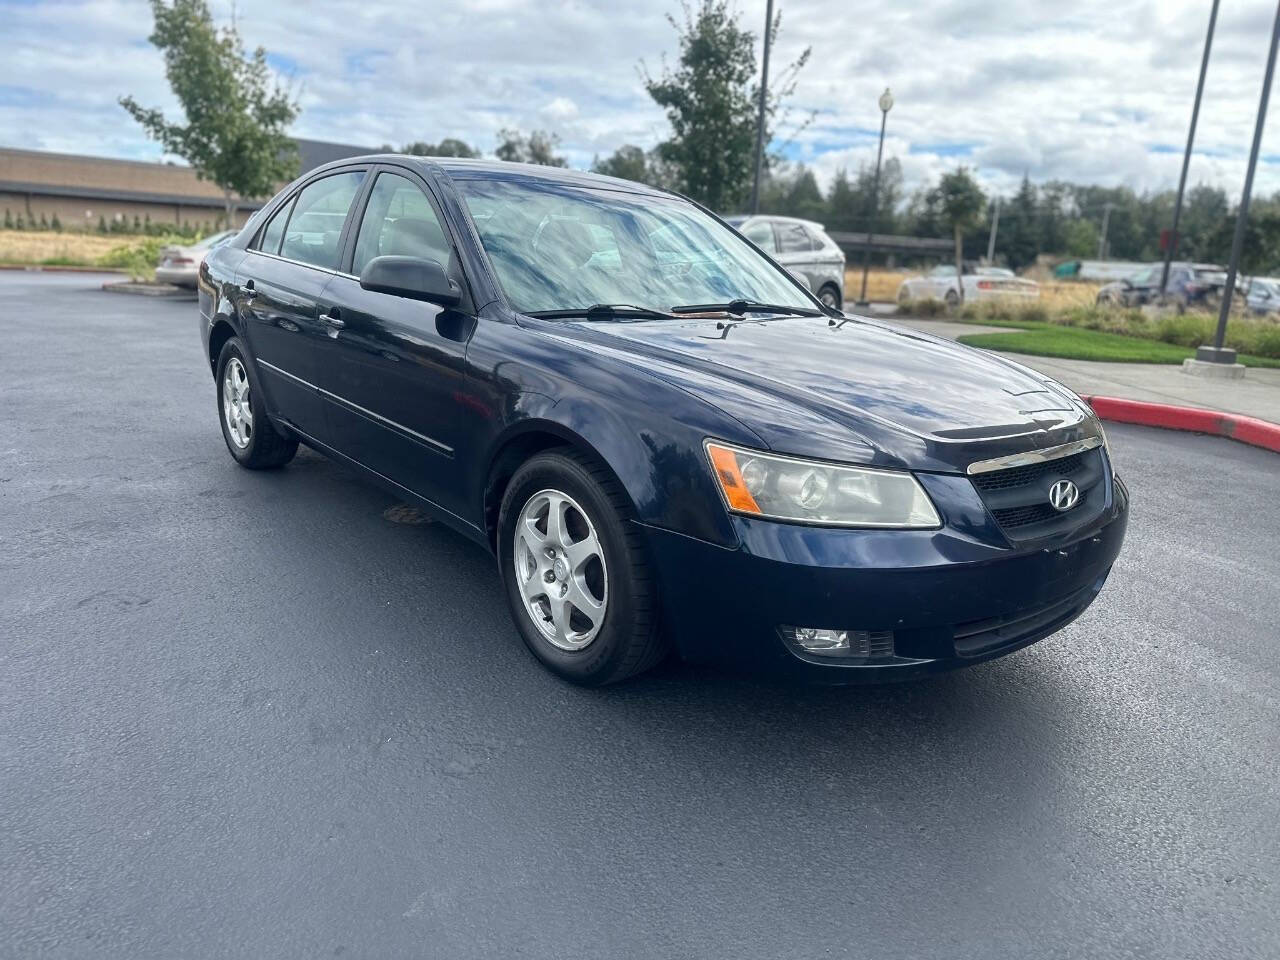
(138, 257)
(924, 309)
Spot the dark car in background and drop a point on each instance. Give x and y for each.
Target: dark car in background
(1191, 285)
(664, 438)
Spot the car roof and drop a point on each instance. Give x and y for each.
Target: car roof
(460, 168)
(738, 219)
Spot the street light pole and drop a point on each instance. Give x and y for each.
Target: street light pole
(1172, 249)
(1216, 353)
(1102, 239)
(764, 94)
(995, 228)
(886, 104)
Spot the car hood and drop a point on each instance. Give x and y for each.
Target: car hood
(856, 390)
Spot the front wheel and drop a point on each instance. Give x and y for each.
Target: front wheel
(953, 299)
(576, 573)
(249, 434)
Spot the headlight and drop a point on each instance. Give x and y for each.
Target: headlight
(805, 491)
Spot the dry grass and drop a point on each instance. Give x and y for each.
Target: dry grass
(42, 246)
(882, 284)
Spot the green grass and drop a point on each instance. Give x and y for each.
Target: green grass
(1075, 343)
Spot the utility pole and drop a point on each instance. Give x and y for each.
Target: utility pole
(995, 228)
(1172, 249)
(1102, 240)
(764, 95)
(1216, 353)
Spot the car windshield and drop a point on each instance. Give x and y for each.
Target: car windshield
(562, 247)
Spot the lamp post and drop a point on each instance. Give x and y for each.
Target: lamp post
(764, 96)
(886, 104)
(1218, 353)
(1172, 247)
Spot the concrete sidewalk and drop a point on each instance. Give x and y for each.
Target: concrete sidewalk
(1257, 395)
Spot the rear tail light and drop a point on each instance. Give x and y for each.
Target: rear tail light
(986, 285)
(181, 260)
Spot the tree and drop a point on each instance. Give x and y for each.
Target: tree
(627, 162)
(1081, 239)
(1020, 238)
(961, 201)
(710, 99)
(234, 134)
(538, 147)
(448, 147)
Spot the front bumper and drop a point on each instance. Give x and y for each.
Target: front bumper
(951, 597)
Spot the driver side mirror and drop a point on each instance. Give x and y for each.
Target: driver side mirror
(414, 278)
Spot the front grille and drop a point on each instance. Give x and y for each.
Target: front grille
(1021, 476)
(1018, 497)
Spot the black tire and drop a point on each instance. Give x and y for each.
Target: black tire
(267, 448)
(830, 296)
(953, 299)
(629, 641)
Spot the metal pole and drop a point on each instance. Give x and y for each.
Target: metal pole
(875, 208)
(995, 228)
(1102, 239)
(1186, 157)
(1237, 244)
(764, 94)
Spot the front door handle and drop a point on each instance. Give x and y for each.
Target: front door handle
(333, 320)
(248, 291)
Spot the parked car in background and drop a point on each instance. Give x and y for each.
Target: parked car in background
(1263, 296)
(1191, 285)
(979, 283)
(665, 439)
(180, 265)
(801, 246)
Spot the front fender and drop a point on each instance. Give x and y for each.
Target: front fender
(659, 463)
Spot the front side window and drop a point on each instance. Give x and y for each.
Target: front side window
(315, 229)
(399, 221)
(793, 238)
(560, 247)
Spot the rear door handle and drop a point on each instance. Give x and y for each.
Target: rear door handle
(248, 291)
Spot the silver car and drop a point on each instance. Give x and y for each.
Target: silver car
(801, 246)
(179, 265)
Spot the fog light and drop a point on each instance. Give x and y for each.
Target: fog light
(854, 644)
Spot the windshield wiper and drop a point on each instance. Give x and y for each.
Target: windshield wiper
(604, 311)
(743, 307)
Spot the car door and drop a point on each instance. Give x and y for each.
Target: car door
(281, 280)
(760, 232)
(393, 376)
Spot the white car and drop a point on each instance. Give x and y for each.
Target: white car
(179, 265)
(980, 283)
(1263, 295)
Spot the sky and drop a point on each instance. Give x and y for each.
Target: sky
(1081, 90)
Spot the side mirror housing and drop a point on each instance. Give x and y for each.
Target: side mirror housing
(414, 278)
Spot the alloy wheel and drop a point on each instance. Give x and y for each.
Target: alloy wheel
(560, 569)
(237, 410)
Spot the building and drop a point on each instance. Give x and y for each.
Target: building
(81, 191)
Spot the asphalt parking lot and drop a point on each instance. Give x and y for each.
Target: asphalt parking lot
(249, 715)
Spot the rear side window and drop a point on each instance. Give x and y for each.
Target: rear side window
(761, 234)
(399, 221)
(817, 238)
(792, 238)
(275, 230)
(315, 229)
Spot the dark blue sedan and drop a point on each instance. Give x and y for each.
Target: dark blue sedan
(665, 439)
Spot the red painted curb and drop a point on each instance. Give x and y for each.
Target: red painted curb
(1250, 430)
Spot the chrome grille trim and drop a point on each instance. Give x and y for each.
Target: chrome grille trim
(1033, 456)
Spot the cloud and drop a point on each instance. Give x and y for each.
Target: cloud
(1087, 91)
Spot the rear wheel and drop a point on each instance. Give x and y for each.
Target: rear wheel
(250, 436)
(577, 578)
(830, 296)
